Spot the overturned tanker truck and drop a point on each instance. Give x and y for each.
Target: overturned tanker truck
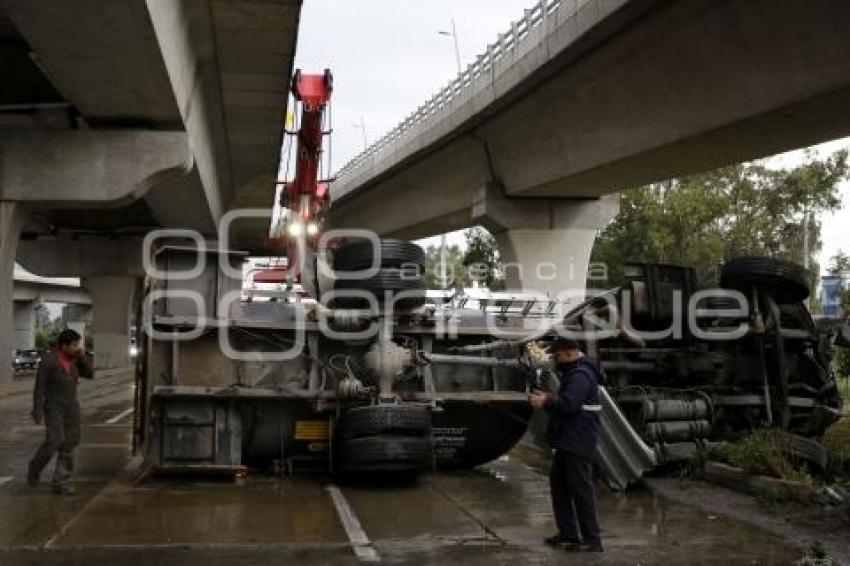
(378, 379)
(337, 386)
(370, 377)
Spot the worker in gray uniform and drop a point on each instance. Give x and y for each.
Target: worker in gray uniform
(573, 434)
(55, 404)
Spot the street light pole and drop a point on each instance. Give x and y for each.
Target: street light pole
(457, 49)
(443, 274)
(453, 34)
(362, 127)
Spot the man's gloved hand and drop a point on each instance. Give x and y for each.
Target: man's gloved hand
(37, 416)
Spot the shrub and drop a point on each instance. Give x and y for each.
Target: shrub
(836, 440)
(761, 453)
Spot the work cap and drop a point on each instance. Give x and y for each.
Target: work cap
(562, 343)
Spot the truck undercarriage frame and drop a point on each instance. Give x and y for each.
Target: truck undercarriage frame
(417, 386)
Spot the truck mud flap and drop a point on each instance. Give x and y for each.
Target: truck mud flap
(622, 456)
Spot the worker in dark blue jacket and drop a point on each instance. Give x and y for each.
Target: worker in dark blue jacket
(573, 434)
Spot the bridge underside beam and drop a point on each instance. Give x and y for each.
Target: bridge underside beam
(83, 256)
(624, 93)
(143, 178)
(88, 168)
(692, 85)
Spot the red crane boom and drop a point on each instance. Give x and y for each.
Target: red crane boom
(305, 195)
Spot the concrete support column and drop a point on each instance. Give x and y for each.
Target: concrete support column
(76, 314)
(24, 325)
(545, 243)
(112, 300)
(546, 261)
(12, 215)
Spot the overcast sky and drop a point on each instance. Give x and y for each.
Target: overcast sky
(387, 58)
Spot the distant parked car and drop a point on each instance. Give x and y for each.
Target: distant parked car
(26, 360)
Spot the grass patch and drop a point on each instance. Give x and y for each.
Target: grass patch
(843, 384)
(836, 440)
(761, 453)
(693, 468)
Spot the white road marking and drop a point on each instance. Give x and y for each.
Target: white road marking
(62, 530)
(5, 479)
(120, 416)
(356, 535)
(30, 428)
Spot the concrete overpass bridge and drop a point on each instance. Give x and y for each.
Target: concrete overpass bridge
(582, 98)
(120, 117)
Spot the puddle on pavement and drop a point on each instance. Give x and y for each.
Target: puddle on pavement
(496, 514)
(191, 512)
(510, 497)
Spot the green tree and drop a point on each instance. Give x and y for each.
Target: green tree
(46, 335)
(478, 261)
(42, 315)
(457, 276)
(482, 259)
(704, 219)
(839, 263)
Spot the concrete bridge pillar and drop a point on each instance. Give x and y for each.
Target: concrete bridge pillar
(545, 243)
(24, 325)
(12, 215)
(112, 301)
(72, 314)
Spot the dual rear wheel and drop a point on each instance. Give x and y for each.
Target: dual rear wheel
(399, 276)
(381, 439)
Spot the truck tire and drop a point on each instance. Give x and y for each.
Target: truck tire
(384, 454)
(787, 282)
(386, 279)
(384, 420)
(394, 253)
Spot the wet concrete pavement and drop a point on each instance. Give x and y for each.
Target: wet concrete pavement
(495, 515)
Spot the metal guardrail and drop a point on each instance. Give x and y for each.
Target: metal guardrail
(622, 455)
(506, 43)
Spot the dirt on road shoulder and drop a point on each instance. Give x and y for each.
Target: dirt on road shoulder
(808, 526)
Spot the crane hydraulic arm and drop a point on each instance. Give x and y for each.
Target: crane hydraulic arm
(306, 196)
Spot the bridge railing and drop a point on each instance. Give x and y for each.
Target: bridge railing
(506, 43)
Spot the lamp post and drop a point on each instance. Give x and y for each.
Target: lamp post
(362, 127)
(443, 275)
(453, 34)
